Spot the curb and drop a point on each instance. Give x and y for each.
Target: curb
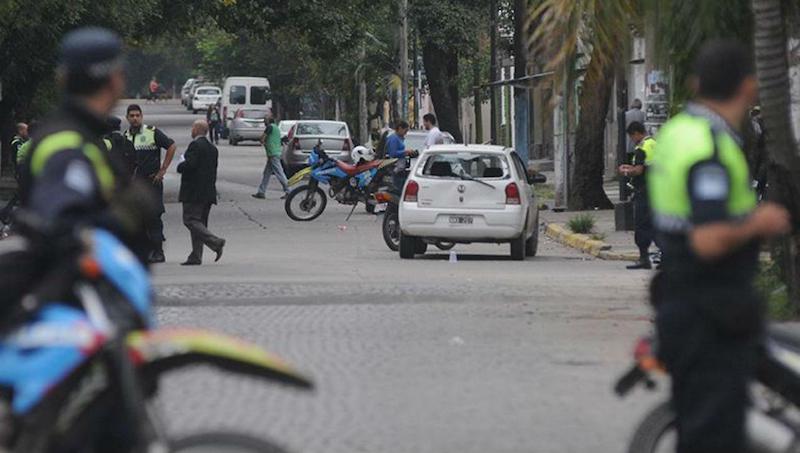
(586, 244)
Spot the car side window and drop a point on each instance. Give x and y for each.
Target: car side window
(521, 172)
(238, 95)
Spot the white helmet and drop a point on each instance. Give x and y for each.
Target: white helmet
(360, 153)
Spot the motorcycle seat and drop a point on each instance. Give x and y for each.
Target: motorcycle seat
(785, 335)
(356, 169)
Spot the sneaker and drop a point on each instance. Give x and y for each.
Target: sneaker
(258, 195)
(640, 265)
(157, 257)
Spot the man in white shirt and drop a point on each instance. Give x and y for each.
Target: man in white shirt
(435, 136)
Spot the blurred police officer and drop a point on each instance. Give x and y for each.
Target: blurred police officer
(709, 316)
(148, 142)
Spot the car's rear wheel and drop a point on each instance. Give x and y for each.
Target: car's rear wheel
(532, 244)
(408, 246)
(233, 142)
(518, 248)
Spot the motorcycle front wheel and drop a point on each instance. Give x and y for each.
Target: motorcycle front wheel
(391, 230)
(305, 203)
(656, 433)
(223, 442)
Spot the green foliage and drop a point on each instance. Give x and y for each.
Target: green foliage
(545, 191)
(581, 223)
(770, 285)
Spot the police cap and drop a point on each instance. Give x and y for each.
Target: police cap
(90, 51)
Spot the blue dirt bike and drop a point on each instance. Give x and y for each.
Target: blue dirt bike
(79, 373)
(348, 184)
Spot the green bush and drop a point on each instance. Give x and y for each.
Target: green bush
(774, 292)
(581, 223)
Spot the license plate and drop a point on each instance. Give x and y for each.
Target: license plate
(380, 207)
(461, 220)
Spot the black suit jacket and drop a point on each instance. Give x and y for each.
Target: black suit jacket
(199, 173)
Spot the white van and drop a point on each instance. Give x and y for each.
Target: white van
(244, 92)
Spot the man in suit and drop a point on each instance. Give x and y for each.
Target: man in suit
(198, 192)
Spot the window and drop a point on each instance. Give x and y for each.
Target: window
(238, 95)
(334, 129)
(254, 114)
(210, 91)
(259, 95)
(474, 164)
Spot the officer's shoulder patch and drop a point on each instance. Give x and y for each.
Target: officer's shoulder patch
(709, 182)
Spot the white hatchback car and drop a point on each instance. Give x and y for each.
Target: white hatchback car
(469, 193)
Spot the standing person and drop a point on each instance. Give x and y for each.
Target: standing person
(19, 146)
(396, 149)
(758, 156)
(636, 170)
(212, 117)
(435, 136)
(121, 151)
(633, 115)
(19, 139)
(198, 192)
(708, 314)
(153, 88)
(271, 140)
(148, 142)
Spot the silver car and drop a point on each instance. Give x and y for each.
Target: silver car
(247, 124)
(304, 136)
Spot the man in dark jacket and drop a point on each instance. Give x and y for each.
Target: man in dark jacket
(198, 192)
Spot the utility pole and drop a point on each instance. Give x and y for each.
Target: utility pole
(363, 126)
(521, 95)
(416, 81)
(493, 71)
(404, 59)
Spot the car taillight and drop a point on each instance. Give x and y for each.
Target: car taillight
(296, 143)
(346, 145)
(512, 194)
(240, 114)
(412, 190)
(382, 197)
(291, 133)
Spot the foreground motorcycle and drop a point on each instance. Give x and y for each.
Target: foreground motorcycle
(81, 375)
(772, 420)
(347, 184)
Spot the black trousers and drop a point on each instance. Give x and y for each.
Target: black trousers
(644, 233)
(711, 368)
(155, 227)
(195, 217)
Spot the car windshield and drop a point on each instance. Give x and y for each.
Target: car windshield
(208, 91)
(471, 164)
(238, 95)
(284, 126)
(259, 95)
(336, 129)
(254, 114)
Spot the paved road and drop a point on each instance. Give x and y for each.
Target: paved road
(484, 355)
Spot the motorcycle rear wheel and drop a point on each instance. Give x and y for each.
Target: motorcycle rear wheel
(656, 433)
(391, 230)
(223, 442)
(309, 206)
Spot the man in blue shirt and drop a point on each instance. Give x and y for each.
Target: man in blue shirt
(396, 149)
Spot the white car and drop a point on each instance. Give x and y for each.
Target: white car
(466, 194)
(204, 96)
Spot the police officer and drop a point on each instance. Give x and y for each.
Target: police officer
(120, 149)
(640, 159)
(708, 315)
(19, 139)
(148, 142)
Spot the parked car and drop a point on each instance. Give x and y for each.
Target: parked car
(186, 92)
(241, 93)
(285, 126)
(304, 136)
(415, 139)
(466, 194)
(196, 83)
(247, 124)
(204, 96)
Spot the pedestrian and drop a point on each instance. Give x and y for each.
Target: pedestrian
(198, 169)
(212, 117)
(153, 89)
(435, 136)
(20, 144)
(271, 140)
(633, 115)
(148, 142)
(758, 157)
(644, 146)
(709, 317)
(396, 149)
(19, 139)
(121, 152)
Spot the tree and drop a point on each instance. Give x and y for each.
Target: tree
(564, 29)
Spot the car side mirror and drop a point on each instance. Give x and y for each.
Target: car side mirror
(537, 178)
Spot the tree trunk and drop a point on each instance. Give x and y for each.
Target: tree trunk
(773, 78)
(586, 190)
(441, 68)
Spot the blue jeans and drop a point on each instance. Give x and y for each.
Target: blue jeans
(273, 166)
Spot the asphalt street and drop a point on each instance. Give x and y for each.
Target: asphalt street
(482, 355)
